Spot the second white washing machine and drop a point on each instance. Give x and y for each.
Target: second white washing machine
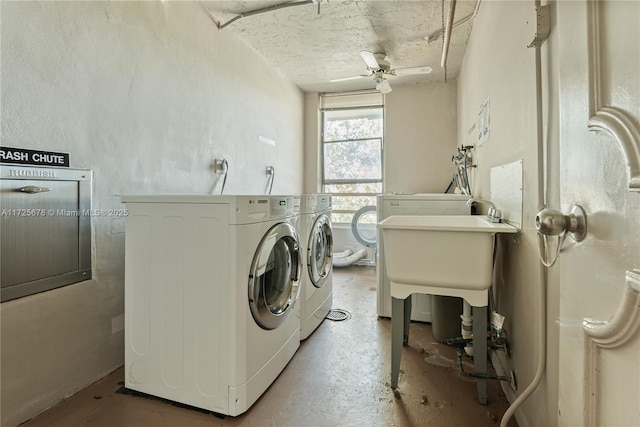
(211, 291)
(316, 288)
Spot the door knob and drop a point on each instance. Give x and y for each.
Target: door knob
(553, 222)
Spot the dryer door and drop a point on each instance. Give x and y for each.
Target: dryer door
(274, 278)
(363, 225)
(319, 251)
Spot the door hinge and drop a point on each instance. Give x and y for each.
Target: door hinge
(543, 27)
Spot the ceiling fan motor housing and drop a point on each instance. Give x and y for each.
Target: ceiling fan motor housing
(382, 62)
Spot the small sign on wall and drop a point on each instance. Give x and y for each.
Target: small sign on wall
(23, 156)
(484, 124)
(266, 140)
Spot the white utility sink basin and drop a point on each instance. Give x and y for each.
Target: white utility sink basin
(449, 254)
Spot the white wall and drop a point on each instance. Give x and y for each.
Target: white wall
(147, 95)
(499, 66)
(420, 137)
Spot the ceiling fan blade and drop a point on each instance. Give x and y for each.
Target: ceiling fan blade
(344, 79)
(410, 71)
(369, 59)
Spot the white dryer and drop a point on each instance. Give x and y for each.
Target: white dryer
(316, 289)
(211, 285)
(412, 204)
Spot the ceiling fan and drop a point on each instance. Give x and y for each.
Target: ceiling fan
(379, 68)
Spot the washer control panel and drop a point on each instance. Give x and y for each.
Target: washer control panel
(283, 206)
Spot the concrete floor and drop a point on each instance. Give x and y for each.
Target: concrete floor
(338, 377)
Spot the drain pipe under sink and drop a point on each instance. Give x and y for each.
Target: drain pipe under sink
(466, 326)
(542, 286)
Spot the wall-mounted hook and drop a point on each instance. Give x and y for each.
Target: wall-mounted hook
(220, 166)
(271, 174)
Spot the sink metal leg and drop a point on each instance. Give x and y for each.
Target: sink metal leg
(397, 335)
(407, 320)
(480, 350)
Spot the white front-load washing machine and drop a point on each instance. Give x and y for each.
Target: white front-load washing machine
(211, 290)
(316, 289)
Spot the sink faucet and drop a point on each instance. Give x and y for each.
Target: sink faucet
(493, 214)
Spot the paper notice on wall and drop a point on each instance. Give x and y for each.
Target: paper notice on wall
(483, 127)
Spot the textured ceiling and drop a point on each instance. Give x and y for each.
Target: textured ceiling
(311, 48)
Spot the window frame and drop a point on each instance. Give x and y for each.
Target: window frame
(324, 182)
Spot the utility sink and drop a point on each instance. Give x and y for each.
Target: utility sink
(449, 255)
(452, 253)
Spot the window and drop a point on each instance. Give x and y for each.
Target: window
(352, 143)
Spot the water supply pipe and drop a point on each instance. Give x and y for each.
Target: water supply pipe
(476, 374)
(263, 10)
(542, 287)
(448, 27)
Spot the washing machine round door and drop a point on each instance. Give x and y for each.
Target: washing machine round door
(320, 251)
(274, 279)
(363, 226)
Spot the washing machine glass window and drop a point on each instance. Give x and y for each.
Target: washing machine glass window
(275, 276)
(319, 251)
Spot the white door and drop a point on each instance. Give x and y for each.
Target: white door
(599, 85)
